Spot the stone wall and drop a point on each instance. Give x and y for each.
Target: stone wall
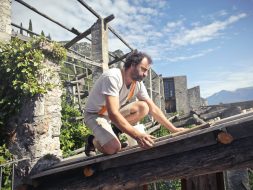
(194, 98)
(162, 97)
(181, 94)
(35, 131)
(5, 20)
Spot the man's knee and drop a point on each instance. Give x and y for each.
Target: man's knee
(143, 106)
(112, 147)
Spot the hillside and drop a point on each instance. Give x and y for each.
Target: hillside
(224, 96)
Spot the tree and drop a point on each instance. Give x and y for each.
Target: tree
(21, 30)
(42, 33)
(30, 28)
(48, 37)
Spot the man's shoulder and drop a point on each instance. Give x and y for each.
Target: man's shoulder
(112, 72)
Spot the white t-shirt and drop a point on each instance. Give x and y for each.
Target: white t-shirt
(111, 83)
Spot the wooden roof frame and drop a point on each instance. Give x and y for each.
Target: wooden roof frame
(195, 153)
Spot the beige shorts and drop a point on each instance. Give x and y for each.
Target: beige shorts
(101, 125)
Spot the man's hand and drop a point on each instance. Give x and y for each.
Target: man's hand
(145, 140)
(179, 129)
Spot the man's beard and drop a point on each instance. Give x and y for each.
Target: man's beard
(137, 78)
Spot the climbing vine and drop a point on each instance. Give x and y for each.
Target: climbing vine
(5, 156)
(73, 131)
(23, 73)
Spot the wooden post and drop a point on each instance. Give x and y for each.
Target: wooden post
(78, 89)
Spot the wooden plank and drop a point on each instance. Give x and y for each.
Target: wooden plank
(118, 59)
(213, 114)
(78, 38)
(47, 17)
(82, 59)
(153, 129)
(78, 89)
(129, 150)
(214, 158)
(232, 118)
(194, 136)
(161, 151)
(163, 140)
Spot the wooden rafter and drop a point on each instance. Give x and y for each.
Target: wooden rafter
(176, 156)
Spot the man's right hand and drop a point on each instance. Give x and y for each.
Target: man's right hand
(145, 140)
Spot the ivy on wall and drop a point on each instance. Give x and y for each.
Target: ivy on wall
(6, 170)
(73, 132)
(22, 73)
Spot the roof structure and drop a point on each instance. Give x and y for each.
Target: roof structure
(226, 144)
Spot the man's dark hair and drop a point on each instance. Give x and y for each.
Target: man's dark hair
(135, 58)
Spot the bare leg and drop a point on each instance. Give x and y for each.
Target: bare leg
(112, 147)
(138, 110)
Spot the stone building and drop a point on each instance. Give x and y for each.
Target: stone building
(176, 94)
(180, 99)
(194, 98)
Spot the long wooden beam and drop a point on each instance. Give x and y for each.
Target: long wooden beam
(90, 9)
(194, 153)
(29, 31)
(73, 30)
(118, 59)
(78, 38)
(120, 38)
(201, 161)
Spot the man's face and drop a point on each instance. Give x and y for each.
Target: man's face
(140, 71)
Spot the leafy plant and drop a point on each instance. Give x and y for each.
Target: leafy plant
(166, 185)
(73, 132)
(5, 156)
(23, 74)
(251, 178)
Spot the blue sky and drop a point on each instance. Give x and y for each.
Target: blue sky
(209, 41)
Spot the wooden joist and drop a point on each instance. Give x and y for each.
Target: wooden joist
(175, 156)
(78, 38)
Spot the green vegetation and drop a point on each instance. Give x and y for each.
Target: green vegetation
(251, 179)
(73, 132)
(5, 156)
(21, 67)
(166, 185)
(30, 27)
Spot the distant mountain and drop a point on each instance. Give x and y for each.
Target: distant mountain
(224, 96)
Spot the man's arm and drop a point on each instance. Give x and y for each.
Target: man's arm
(112, 105)
(160, 117)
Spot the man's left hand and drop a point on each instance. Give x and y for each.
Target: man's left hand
(179, 129)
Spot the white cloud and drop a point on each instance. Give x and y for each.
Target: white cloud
(170, 26)
(150, 11)
(222, 13)
(226, 80)
(132, 21)
(204, 33)
(184, 58)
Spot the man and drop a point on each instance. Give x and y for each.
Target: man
(108, 103)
